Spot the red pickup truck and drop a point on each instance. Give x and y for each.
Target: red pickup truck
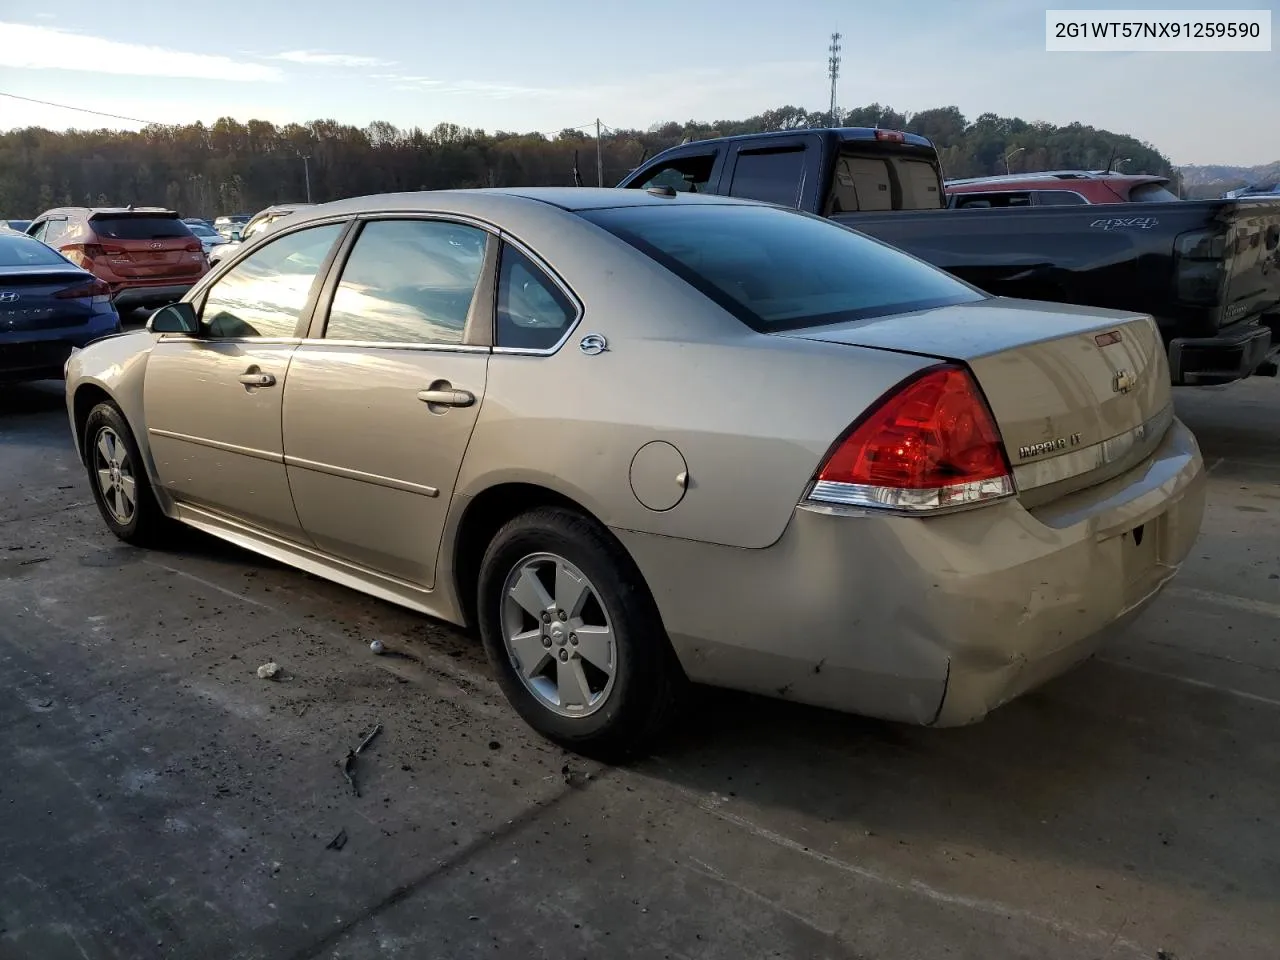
(1056, 188)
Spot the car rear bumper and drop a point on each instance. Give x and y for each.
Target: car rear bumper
(928, 621)
(1235, 353)
(154, 295)
(42, 357)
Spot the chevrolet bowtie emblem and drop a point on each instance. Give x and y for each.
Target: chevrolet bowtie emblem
(1124, 382)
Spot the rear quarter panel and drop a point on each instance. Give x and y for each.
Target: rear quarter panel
(751, 414)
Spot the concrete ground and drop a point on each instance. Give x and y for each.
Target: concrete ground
(158, 800)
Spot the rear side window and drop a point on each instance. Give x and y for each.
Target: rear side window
(983, 200)
(138, 228)
(533, 313)
(778, 270)
(773, 176)
(1151, 193)
(408, 281)
(22, 251)
(1058, 198)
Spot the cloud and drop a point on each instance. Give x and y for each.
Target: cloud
(28, 47)
(315, 58)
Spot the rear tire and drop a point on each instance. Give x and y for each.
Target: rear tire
(118, 478)
(574, 637)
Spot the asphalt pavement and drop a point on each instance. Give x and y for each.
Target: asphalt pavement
(158, 799)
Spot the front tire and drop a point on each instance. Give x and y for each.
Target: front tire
(119, 480)
(574, 637)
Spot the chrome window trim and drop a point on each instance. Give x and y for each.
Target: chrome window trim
(395, 345)
(1074, 463)
(541, 264)
(188, 338)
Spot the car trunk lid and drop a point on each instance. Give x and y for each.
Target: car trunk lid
(30, 300)
(1080, 395)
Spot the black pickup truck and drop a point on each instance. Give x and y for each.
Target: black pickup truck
(1207, 270)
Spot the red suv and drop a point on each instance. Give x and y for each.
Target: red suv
(146, 255)
(1056, 188)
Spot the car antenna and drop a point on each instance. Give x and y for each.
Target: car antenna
(1110, 160)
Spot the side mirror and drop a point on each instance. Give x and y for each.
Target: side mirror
(175, 318)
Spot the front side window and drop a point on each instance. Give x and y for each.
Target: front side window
(690, 174)
(264, 295)
(533, 313)
(773, 176)
(1151, 193)
(39, 230)
(779, 270)
(408, 281)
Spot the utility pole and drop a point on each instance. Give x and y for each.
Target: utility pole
(833, 71)
(306, 172)
(599, 157)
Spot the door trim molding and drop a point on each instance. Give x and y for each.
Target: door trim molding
(218, 445)
(346, 473)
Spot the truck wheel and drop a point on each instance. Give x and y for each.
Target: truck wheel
(574, 638)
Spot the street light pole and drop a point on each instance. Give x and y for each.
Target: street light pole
(1009, 156)
(306, 172)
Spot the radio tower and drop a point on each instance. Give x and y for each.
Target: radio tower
(833, 71)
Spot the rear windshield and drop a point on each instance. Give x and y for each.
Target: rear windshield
(778, 270)
(200, 230)
(20, 251)
(1151, 193)
(139, 228)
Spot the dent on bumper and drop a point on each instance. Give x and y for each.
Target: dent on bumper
(929, 621)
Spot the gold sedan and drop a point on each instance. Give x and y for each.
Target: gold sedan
(639, 440)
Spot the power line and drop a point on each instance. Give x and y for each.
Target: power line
(48, 103)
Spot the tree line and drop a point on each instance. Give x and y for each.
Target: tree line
(235, 167)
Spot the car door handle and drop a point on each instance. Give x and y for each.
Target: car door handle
(447, 398)
(257, 379)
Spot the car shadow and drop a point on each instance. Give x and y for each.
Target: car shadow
(31, 397)
(1123, 774)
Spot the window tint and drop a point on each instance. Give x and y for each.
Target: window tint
(19, 251)
(139, 228)
(39, 231)
(777, 270)
(264, 295)
(533, 313)
(1151, 193)
(772, 176)
(684, 174)
(1059, 198)
(408, 281)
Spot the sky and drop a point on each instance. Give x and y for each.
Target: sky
(521, 66)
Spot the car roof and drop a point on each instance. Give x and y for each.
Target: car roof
(844, 134)
(110, 211)
(491, 201)
(1039, 178)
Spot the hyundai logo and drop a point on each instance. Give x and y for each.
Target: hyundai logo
(9, 296)
(157, 245)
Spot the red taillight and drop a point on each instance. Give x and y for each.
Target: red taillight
(929, 445)
(97, 290)
(93, 250)
(193, 247)
(893, 136)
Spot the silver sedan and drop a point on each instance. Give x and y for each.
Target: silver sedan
(639, 440)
